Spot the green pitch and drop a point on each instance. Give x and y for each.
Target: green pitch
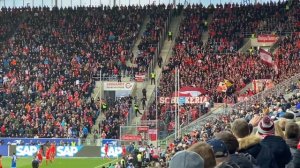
(62, 163)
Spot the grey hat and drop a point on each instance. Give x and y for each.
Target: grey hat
(186, 159)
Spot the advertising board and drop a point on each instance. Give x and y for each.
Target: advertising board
(113, 152)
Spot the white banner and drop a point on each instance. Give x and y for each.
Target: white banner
(118, 86)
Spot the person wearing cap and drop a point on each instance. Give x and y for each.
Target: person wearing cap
(277, 145)
(186, 159)
(223, 155)
(232, 146)
(249, 143)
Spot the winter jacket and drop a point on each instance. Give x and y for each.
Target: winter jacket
(279, 148)
(292, 143)
(252, 144)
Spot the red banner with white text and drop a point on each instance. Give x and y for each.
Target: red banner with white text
(267, 38)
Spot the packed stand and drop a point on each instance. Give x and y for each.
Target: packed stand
(283, 21)
(207, 70)
(49, 64)
(159, 16)
(231, 22)
(9, 20)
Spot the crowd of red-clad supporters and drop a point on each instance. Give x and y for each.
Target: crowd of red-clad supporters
(206, 69)
(48, 63)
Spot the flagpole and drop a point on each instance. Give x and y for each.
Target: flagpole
(156, 113)
(175, 103)
(178, 113)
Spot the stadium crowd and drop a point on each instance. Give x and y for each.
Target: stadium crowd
(48, 66)
(201, 67)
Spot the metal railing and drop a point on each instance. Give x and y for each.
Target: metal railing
(281, 88)
(196, 123)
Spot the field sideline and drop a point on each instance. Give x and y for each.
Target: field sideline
(61, 162)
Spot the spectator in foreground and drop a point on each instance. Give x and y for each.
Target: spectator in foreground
(223, 155)
(292, 135)
(232, 146)
(296, 159)
(206, 152)
(249, 143)
(187, 159)
(279, 148)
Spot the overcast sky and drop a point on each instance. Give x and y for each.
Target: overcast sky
(19, 3)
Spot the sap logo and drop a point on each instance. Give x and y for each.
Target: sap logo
(112, 152)
(26, 150)
(67, 151)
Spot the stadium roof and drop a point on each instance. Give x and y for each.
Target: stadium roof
(73, 3)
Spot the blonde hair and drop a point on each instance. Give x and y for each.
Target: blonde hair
(278, 130)
(206, 152)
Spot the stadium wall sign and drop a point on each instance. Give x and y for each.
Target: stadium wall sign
(26, 150)
(113, 142)
(130, 137)
(61, 151)
(67, 151)
(183, 100)
(112, 86)
(113, 152)
(267, 38)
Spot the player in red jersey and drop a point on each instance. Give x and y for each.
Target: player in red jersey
(48, 155)
(123, 151)
(106, 150)
(40, 156)
(53, 151)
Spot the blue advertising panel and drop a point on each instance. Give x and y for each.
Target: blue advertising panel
(26, 150)
(35, 141)
(4, 150)
(113, 152)
(61, 151)
(111, 142)
(67, 151)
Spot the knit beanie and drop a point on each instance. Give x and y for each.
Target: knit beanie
(266, 126)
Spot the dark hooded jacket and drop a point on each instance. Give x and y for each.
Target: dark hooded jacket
(252, 144)
(279, 148)
(292, 143)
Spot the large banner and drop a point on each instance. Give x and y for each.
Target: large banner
(183, 100)
(267, 38)
(29, 141)
(262, 84)
(113, 86)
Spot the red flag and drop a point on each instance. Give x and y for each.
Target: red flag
(266, 57)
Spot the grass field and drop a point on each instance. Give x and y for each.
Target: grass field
(62, 163)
